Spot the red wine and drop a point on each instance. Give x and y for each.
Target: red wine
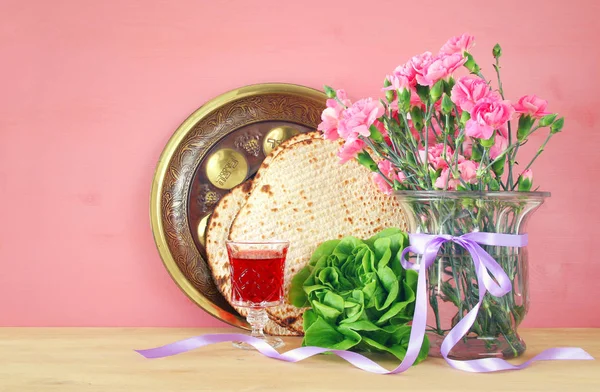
(257, 276)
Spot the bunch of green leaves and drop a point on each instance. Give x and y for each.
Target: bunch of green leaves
(359, 295)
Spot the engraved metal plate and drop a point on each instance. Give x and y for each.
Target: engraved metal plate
(219, 146)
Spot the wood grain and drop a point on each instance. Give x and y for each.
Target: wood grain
(102, 359)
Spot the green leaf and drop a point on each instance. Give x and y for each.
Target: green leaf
(334, 301)
(308, 318)
(359, 295)
(326, 312)
(362, 325)
(325, 249)
(383, 251)
(322, 334)
(345, 247)
(296, 296)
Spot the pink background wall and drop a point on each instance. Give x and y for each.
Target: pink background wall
(92, 91)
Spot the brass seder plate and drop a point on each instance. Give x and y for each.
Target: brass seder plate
(221, 145)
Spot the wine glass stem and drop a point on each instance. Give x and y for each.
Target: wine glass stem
(258, 318)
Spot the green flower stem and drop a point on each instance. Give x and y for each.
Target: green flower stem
(503, 156)
(539, 152)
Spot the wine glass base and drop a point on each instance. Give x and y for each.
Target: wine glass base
(270, 340)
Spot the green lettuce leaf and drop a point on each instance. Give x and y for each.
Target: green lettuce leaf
(359, 296)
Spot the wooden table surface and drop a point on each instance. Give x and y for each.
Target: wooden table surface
(102, 359)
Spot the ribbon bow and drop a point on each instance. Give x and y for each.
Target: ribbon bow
(427, 246)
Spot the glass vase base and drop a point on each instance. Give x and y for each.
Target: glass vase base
(272, 341)
(480, 347)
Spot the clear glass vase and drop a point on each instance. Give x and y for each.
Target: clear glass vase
(452, 281)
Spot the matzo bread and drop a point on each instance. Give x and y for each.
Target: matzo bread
(218, 231)
(305, 196)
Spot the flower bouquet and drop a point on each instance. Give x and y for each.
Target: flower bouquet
(447, 145)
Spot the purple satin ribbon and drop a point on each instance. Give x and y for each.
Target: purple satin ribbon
(427, 246)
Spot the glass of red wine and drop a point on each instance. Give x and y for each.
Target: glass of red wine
(257, 272)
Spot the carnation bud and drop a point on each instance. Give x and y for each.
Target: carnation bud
(525, 124)
(471, 65)
(329, 92)
(436, 91)
(497, 51)
(498, 166)
(557, 125)
(416, 115)
(449, 85)
(487, 143)
(365, 159)
(547, 120)
(404, 100)
(494, 185)
(476, 151)
(447, 105)
(423, 92)
(389, 95)
(464, 117)
(525, 181)
(375, 134)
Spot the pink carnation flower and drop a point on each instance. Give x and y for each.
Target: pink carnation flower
(381, 183)
(445, 181)
(468, 171)
(403, 77)
(436, 158)
(467, 147)
(331, 116)
(486, 116)
(468, 90)
(420, 63)
(357, 119)
(500, 144)
(459, 44)
(440, 68)
(388, 170)
(397, 82)
(350, 149)
(531, 105)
